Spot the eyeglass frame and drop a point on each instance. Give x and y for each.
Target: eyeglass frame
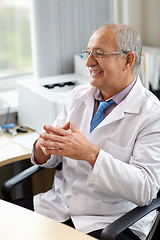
(100, 55)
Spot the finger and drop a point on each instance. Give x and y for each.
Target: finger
(73, 127)
(51, 138)
(56, 130)
(51, 144)
(58, 152)
(66, 126)
(44, 150)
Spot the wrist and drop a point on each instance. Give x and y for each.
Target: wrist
(93, 156)
(39, 154)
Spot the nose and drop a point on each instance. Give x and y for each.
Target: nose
(90, 61)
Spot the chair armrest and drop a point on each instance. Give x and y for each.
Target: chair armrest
(118, 226)
(9, 184)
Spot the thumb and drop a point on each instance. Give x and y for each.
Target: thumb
(73, 127)
(66, 126)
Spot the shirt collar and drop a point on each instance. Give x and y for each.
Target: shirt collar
(117, 98)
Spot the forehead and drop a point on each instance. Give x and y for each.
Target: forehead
(102, 39)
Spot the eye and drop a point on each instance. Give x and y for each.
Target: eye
(98, 54)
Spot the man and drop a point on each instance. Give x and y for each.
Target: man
(111, 166)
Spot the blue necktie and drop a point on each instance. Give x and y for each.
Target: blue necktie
(99, 115)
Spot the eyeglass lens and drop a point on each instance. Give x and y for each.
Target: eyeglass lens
(94, 54)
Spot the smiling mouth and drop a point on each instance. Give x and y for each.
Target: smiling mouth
(95, 73)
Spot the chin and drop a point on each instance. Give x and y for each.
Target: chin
(95, 83)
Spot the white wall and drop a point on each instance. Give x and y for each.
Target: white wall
(151, 22)
(143, 15)
(129, 13)
(61, 28)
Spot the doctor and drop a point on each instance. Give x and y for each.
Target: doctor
(110, 163)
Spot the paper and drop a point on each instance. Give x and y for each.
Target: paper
(26, 140)
(2, 144)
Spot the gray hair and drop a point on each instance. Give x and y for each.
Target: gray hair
(127, 39)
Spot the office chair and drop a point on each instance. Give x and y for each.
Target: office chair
(115, 228)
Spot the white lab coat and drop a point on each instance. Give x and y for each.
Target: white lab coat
(127, 169)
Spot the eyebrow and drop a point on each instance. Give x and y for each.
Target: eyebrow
(96, 49)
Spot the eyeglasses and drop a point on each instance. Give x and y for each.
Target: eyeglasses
(97, 55)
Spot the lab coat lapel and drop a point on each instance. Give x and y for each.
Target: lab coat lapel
(88, 112)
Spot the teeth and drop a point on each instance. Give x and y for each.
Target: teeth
(96, 71)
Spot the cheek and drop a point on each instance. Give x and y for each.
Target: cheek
(107, 65)
(114, 66)
(109, 70)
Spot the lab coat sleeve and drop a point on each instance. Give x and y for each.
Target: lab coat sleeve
(137, 181)
(51, 163)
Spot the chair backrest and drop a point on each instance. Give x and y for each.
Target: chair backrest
(155, 231)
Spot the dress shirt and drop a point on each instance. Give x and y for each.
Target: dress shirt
(117, 98)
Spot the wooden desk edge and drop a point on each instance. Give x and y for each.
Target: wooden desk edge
(15, 159)
(34, 225)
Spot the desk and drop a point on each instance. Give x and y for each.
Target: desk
(12, 152)
(19, 223)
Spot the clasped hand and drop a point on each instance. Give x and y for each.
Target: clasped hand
(73, 144)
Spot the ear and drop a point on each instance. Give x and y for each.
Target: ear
(129, 60)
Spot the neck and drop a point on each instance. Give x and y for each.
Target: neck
(111, 91)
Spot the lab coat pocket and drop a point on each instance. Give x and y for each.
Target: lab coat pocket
(117, 151)
(115, 208)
